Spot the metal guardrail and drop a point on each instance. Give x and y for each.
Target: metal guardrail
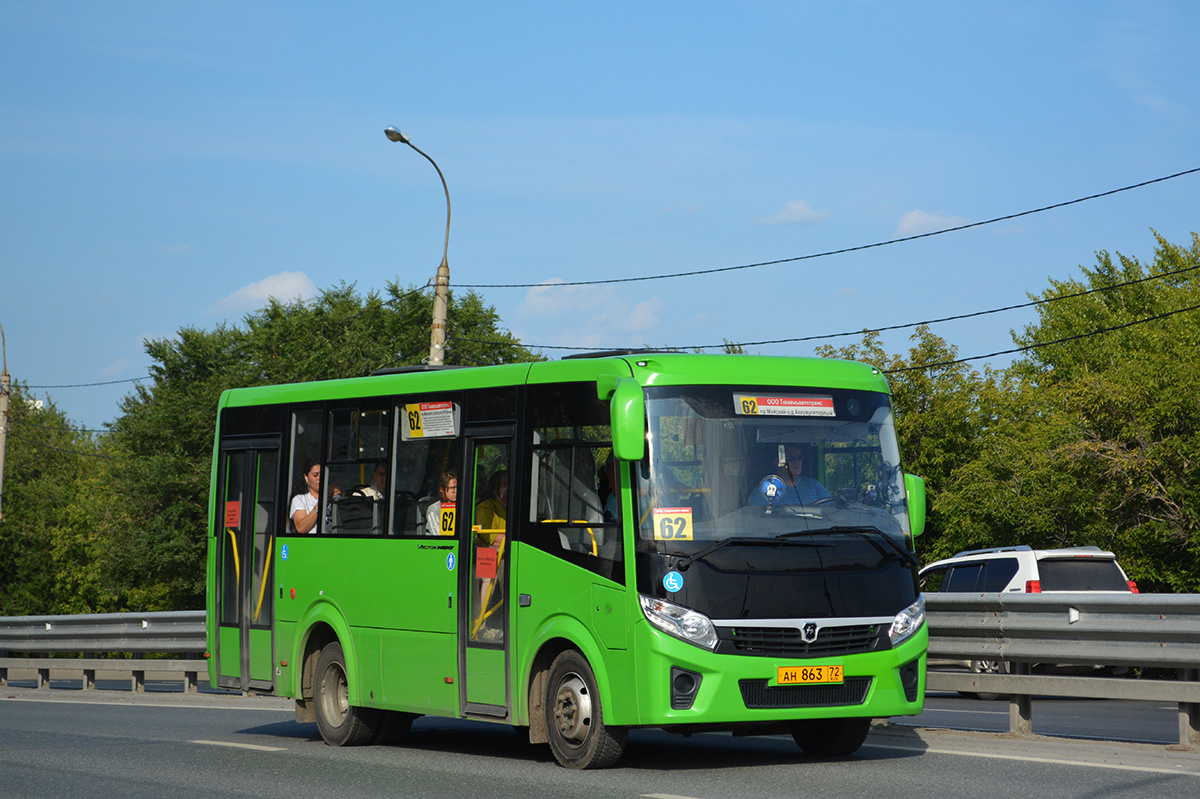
(1021, 631)
(180, 632)
(1084, 629)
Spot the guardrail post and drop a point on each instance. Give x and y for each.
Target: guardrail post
(1020, 707)
(1189, 714)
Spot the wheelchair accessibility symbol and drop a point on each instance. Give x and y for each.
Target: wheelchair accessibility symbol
(673, 581)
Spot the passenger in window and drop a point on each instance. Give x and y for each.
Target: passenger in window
(489, 514)
(447, 494)
(791, 487)
(306, 507)
(378, 486)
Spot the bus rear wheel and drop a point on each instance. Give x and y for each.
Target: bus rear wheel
(830, 737)
(575, 725)
(340, 723)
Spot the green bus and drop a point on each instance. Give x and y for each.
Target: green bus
(574, 547)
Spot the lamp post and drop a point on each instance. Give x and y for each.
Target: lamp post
(437, 330)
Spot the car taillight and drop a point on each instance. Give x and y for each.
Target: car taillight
(1033, 586)
(1132, 586)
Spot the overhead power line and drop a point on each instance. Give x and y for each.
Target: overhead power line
(827, 253)
(1038, 345)
(90, 385)
(44, 445)
(58, 428)
(884, 329)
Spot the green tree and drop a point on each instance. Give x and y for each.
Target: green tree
(1096, 438)
(46, 460)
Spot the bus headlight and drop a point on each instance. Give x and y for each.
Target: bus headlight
(683, 623)
(908, 621)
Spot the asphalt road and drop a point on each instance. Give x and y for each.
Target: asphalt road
(106, 743)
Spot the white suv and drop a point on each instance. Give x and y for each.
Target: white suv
(1022, 569)
(1026, 570)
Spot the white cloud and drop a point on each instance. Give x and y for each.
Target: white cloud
(283, 286)
(917, 222)
(797, 212)
(119, 366)
(585, 316)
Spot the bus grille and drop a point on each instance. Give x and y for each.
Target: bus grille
(833, 641)
(758, 695)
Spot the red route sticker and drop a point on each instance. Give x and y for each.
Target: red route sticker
(486, 559)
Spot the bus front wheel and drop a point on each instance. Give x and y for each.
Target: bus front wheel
(574, 719)
(340, 723)
(830, 737)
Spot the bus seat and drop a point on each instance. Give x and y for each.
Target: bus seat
(355, 515)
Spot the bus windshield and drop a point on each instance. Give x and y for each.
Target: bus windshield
(767, 462)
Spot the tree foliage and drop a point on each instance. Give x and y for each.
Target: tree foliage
(1097, 435)
(1093, 437)
(46, 460)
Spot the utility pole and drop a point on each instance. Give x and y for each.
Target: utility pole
(437, 330)
(5, 386)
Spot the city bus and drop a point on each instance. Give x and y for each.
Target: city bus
(573, 548)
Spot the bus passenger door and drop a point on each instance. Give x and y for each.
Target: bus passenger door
(484, 611)
(247, 516)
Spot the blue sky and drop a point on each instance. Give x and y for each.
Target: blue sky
(170, 164)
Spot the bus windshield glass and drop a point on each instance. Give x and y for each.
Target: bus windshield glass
(729, 462)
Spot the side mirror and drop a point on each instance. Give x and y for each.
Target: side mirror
(914, 488)
(627, 411)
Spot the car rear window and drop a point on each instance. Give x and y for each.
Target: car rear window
(1081, 574)
(989, 576)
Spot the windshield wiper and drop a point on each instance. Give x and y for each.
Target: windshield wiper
(906, 556)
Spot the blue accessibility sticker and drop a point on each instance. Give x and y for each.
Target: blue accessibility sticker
(450, 562)
(283, 553)
(673, 581)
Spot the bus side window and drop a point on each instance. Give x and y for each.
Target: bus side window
(426, 447)
(307, 442)
(572, 511)
(356, 473)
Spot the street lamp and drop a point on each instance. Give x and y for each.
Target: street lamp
(437, 331)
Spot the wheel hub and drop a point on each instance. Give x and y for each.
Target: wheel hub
(573, 709)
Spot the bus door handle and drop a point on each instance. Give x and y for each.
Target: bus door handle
(524, 600)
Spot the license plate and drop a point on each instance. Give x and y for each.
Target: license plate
(809, 675)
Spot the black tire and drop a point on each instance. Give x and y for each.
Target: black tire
(340, 723)
(830, 737)
(575, 725)
(987, 667)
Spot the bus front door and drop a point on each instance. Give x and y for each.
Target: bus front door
(247, 511)
(483, 616)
